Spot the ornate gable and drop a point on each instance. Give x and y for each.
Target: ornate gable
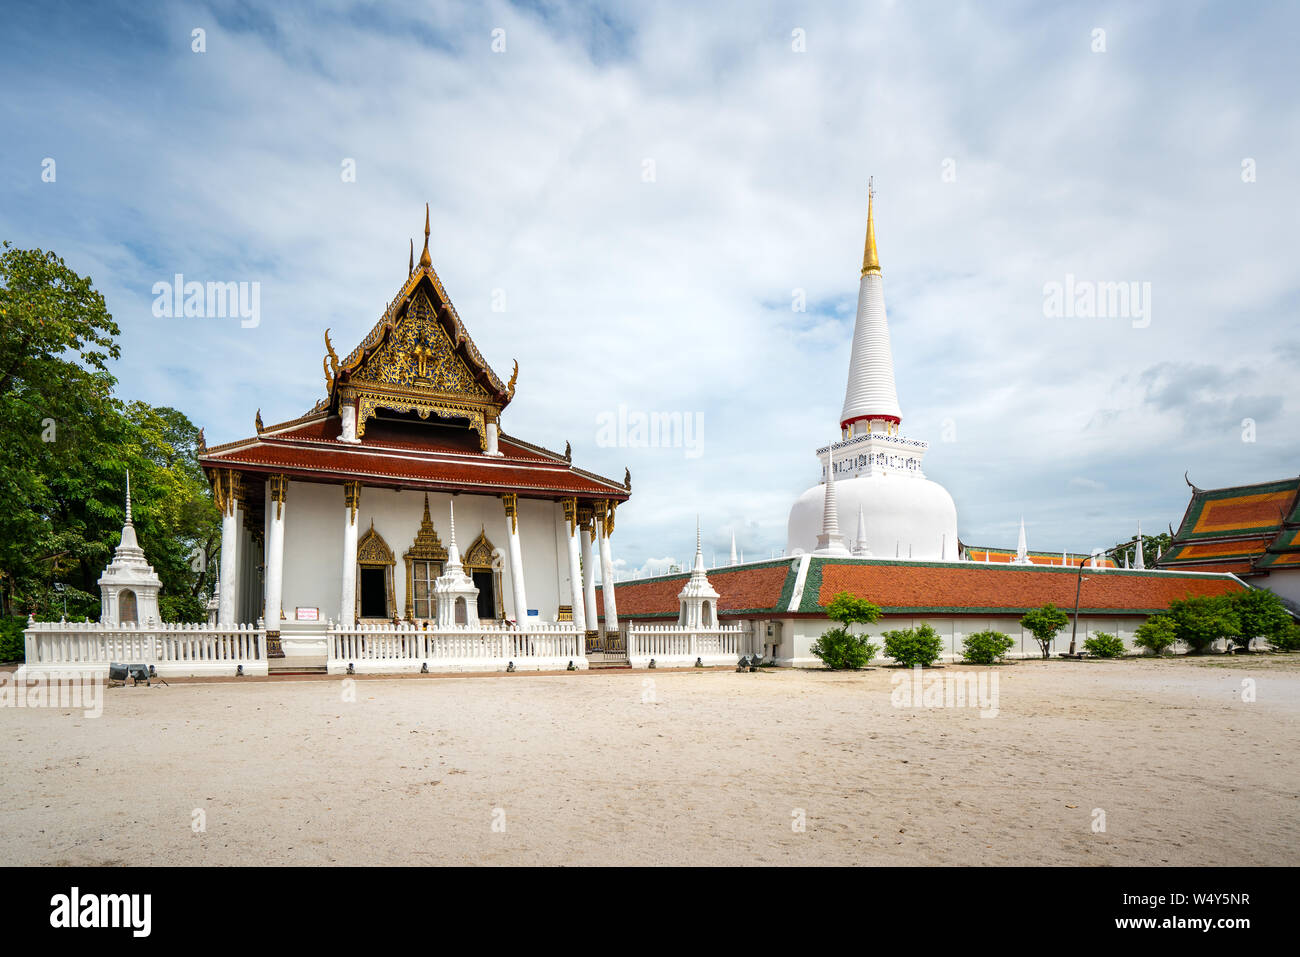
(419, 358)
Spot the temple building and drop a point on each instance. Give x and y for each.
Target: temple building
(343, 514)
(873, 473)
(1252, 531)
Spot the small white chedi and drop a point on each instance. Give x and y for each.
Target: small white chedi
(129, 587)
(877, 478)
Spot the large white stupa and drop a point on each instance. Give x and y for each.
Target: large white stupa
(877, 486)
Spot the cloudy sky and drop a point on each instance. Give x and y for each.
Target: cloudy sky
(648, 189)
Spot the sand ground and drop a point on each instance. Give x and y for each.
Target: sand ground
(668, 768)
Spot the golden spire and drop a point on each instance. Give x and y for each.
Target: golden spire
(411, 268)
(424, 256)
(870, 258)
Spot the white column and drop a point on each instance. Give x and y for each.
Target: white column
(575, 567)
(607, 575)
(276, 488)
(511, 502)
(348, 591)
(491, 439)
(588, 581)
(231, 520)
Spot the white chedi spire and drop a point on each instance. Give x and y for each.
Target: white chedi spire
(870, 394)
(860, 549)
(1022, 550)
(129, 586)
(733, 547)
(698, 601)
(830, 541)
(1139, 560)
(455, 594)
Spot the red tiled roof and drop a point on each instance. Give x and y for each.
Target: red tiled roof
(396, 453)
(922, 588)
(968, 586)
(977, 553)
(742, 588)
(1245, 529)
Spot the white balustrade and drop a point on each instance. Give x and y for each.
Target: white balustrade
(674, 646)
(387, 648)
(175, 649)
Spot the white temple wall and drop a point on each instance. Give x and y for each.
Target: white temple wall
(313, 542)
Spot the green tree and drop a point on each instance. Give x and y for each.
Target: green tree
(839, 648)
(1152, 545)
(1200, 621)
(914, 646)
(1260, 614)
(1287, 640)
(986, 647)
(66, 444)
(1157, 634)
(1044, 624)
(56, 338)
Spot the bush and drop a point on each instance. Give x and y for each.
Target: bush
(914, 646)
(1043, 623)
(1260, 614)
(1199, 622)
(1157, 634)
(986, 647)
(840, 649)
(11, 638)
(1287, 639)
(1104, 645)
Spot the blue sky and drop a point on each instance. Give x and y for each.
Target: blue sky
(1122, 165)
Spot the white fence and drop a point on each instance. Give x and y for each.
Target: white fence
(674, 646)
(390, 649)
(176, 650)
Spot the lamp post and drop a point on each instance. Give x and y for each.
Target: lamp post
(1078, 587)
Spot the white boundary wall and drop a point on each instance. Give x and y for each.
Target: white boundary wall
(675, 646)
(178, 650)
(397, 649)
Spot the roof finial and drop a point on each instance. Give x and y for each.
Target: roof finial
(870, 259)
(424, 256)
(128, 496)
(411, 265)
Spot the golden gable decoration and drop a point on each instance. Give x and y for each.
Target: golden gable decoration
(419, 358)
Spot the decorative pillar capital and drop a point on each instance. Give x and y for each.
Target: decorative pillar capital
(511, 502)
(227, 491)
(570, 513)
(277, 488)
(352, 500)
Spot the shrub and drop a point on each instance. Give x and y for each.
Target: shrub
(1156, 634)
(914, 646)
(11, 638)
(986, 647)
(1287, 640)
(838, 648)
(1199, 622)
(1044, 623)
(1260, 614)
(1104, 645)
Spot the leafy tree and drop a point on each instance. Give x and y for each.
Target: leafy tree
(1044, 624)
(66, 444)
(839, 648)
(1200, 621)
(986, 647)
(914, 646)
(1104, 645)
(1287, 640)
(1152, 545)
(56, 338)
(1260, 614)
(1157, 634)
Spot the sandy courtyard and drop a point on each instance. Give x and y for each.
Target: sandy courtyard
(668, 768)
